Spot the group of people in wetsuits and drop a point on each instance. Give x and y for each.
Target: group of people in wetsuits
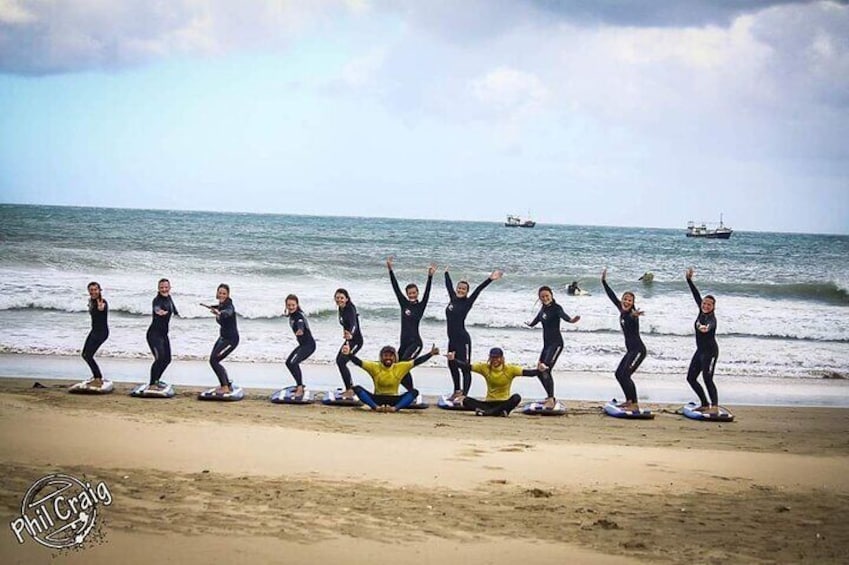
(393, 368)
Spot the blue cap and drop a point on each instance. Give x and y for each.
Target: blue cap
(496, 352)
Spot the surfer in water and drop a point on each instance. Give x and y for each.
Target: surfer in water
(573, 289)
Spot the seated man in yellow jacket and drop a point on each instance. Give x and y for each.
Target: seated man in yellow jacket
(387, 374)
(499, 376)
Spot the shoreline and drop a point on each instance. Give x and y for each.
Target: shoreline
(301, 484)
(431, 381)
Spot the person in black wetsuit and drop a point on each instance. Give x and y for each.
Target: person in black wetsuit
(306, 343)
(99, 311)
(350, 322)
(459, 340)
(412, 311)
(552, 342)
(707, 350)
(629, 320)
(157, 333)
(228, 337)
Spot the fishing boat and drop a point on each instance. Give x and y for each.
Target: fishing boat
(519, 222)
(701, 230)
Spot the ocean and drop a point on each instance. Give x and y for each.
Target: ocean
(782, 299)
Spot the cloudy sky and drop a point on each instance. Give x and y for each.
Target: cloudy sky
(640, 113)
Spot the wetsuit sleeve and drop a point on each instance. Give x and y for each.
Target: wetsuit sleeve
(695, 292)
(427, 290)
(531, 372)
(356, 360)
(479, 289)
(464, 364)
(421, 359)
(402, 300)
(449, 286)
(563, 315)
(173, 307)
(227, 310)
(611, 295)
(300, 324)
(536, 320)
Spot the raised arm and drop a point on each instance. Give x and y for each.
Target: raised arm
(610, 294)
(402, 300)
(537, 319)
(693, 289)
(422, 358)
(430, 270)
(493, 277)
(449, 286)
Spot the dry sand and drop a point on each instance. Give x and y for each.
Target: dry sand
(253, 482)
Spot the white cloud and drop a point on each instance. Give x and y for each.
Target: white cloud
(509, 91)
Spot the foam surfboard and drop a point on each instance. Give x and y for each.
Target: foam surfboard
(689, 411)
(287, 396)
(335, 398)
(146, 391)
(446, 403)
(210, 394)
(538, 409)
(85, 387)
(611, 409)
(418, 404)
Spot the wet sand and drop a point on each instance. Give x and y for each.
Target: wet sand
(255, 482)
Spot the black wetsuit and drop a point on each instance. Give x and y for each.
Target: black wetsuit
(98, 334)
(411, 316)
(350, 322)
(459, 340)
(228, 339)
(707, 352)
(306, 344)
(157, 336)
(635, 349)
(552, 340)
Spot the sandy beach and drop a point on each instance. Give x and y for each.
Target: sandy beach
(253, 482)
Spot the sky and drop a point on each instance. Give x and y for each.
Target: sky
(640, 113)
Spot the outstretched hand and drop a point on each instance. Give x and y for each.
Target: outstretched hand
(575, 320)
(431, 269)
(450, 355)
(389, 261)
(690, 273)
(434, 350)
(496, 274)
(346, 349)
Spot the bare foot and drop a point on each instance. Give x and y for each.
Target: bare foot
(95, 383)
(549, 403)
(455, 395)
(348, 394)
(298, 392)
(713, 410)
(223, 390)
(703, 409)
